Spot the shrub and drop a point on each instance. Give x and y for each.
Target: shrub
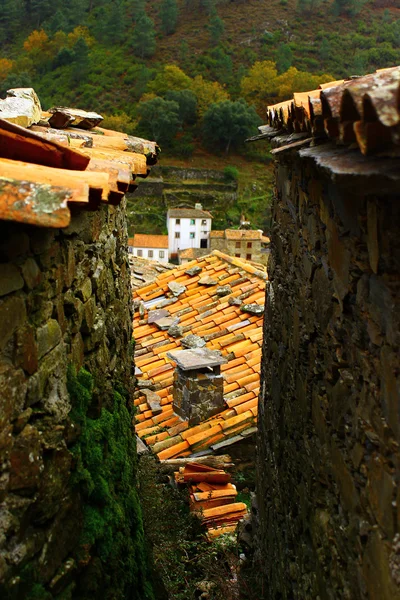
(231, 173)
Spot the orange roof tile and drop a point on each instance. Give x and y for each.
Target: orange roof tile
(144, 240)
(223, 326)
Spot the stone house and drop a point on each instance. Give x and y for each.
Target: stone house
(247, 244)
(65, 303)
(198, 333)
(186, 256)
(188, 228)
(217, 305)
(153, 247)
(329, 422)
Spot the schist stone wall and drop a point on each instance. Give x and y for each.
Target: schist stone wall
(65, 301)
(198, 395)
(198, 384)
(329, 428)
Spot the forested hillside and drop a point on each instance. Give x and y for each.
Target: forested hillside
(190, 71)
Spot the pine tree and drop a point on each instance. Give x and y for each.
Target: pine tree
(11, 15)
(325, 50)
(284, 58)
(81, 61)
(144, 37)
(58, 22)
(216, 28)
(137, 9)
(169, 16)
(116, 23)
(40, 11)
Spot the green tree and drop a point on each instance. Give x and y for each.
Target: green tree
(137, 8)
(57, 22)
(11, 12)
(284, 58)
(144, 37)
(216, 29)
(116, 22)
(81, 61)
(187, 103)
(169, 16)
(159, 119)
(325, 50)
(39, 11)
(228, 124)
(14, 80)
(64, 57)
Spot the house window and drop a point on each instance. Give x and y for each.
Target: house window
(237, 245)
(177, 221)
(192, 234)
(203, 244)
(150, 253)
(192, 221)
(204, 221)
(140, 252)
(161, 253)
(237, 255)
(248, 256)
(249, 244)
(177, 235)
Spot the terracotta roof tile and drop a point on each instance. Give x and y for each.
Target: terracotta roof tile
(174, 451)
(144, 240)
(202, 312)
(240, 400)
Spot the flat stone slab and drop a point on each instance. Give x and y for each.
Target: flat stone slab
(176, 288)
(154, 401)
(166, 322)
(141, 447)
(234, 302)
(193, 271)
(223, 290)
(197, 358)
(207, 281)
(166, 302)
(145, 385)
(62, 116)
(156, 315)
(175, 331)
(253, 309)
(193, 341)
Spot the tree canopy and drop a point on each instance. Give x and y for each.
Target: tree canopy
(159, 119)
(228, 123)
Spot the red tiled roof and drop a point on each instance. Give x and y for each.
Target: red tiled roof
(144, 240)
(237, 234)
(224, 327)
(189, 213)
(43, 170)
(362, 110)
(192, 253)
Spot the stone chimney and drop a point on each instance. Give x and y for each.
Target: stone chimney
(198, 206)
(198, 384)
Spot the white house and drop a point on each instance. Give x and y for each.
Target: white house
(154, 247)
(188, 228)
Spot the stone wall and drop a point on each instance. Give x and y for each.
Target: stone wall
(329, 429)
(198, 394)
(65, 301)
(243, 252)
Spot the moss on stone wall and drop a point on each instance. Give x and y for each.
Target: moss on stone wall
(112, 542)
